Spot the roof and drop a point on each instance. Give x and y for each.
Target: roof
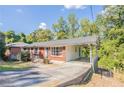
(17, 44)
(75, 41)
(65, 42)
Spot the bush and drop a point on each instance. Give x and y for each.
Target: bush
(85, 52)
(25, 56)
(111, 50)
(2, 50)
(107, 62)
(4, 57)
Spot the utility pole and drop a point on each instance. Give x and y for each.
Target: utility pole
(91, 55)
(92, 16)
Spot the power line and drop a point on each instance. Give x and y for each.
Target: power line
(92, 16)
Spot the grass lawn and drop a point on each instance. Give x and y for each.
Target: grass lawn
(7, 66)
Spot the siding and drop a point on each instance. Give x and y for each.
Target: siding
(72, 53)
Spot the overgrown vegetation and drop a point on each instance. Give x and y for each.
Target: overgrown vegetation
(25, 56)
(2, 44)
(111, 50)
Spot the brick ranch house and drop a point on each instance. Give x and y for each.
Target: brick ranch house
(56, 50)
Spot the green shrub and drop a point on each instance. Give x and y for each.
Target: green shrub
(4, 57)
(2, 49)
(25, 56)
(111, 50)
(85, 52)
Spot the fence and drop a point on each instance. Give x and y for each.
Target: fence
(95, 63)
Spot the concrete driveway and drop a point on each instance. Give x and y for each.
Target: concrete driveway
(45, 75)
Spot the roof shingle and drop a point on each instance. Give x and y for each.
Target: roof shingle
(65, 42)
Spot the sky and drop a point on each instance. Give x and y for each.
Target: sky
(27, 18)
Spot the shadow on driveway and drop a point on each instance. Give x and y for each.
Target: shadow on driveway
(21, 78)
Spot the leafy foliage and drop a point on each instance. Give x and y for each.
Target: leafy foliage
(88, 28)
(2, 44)
(111, 26)
(39, 35)
(85, 52)
(22, 37)
(60, 29)
(73, 25)
(25, 55)
(61, 35)
(12, 37)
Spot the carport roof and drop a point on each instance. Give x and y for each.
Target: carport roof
(65, 42)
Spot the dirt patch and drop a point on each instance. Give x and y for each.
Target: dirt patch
(98, 81)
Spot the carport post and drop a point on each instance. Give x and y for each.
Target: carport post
(91, 58)
(90, 54)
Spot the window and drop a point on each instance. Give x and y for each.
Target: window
(56, 51)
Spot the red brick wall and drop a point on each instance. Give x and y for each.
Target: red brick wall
(15, 50)
(61, 57)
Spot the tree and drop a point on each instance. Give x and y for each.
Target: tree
(2, 44)
(88, 28)
(111, 17)
(10, 36)
(85, 26)
(111, 50)
(60, 29)
(61, 35)
(29, 38)
(111, 53)
(61, 25)
(72, 25)
(39, 36)
(22, 37)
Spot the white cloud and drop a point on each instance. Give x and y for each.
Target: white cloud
(74, 6)
(43, 26)
(19, 10)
